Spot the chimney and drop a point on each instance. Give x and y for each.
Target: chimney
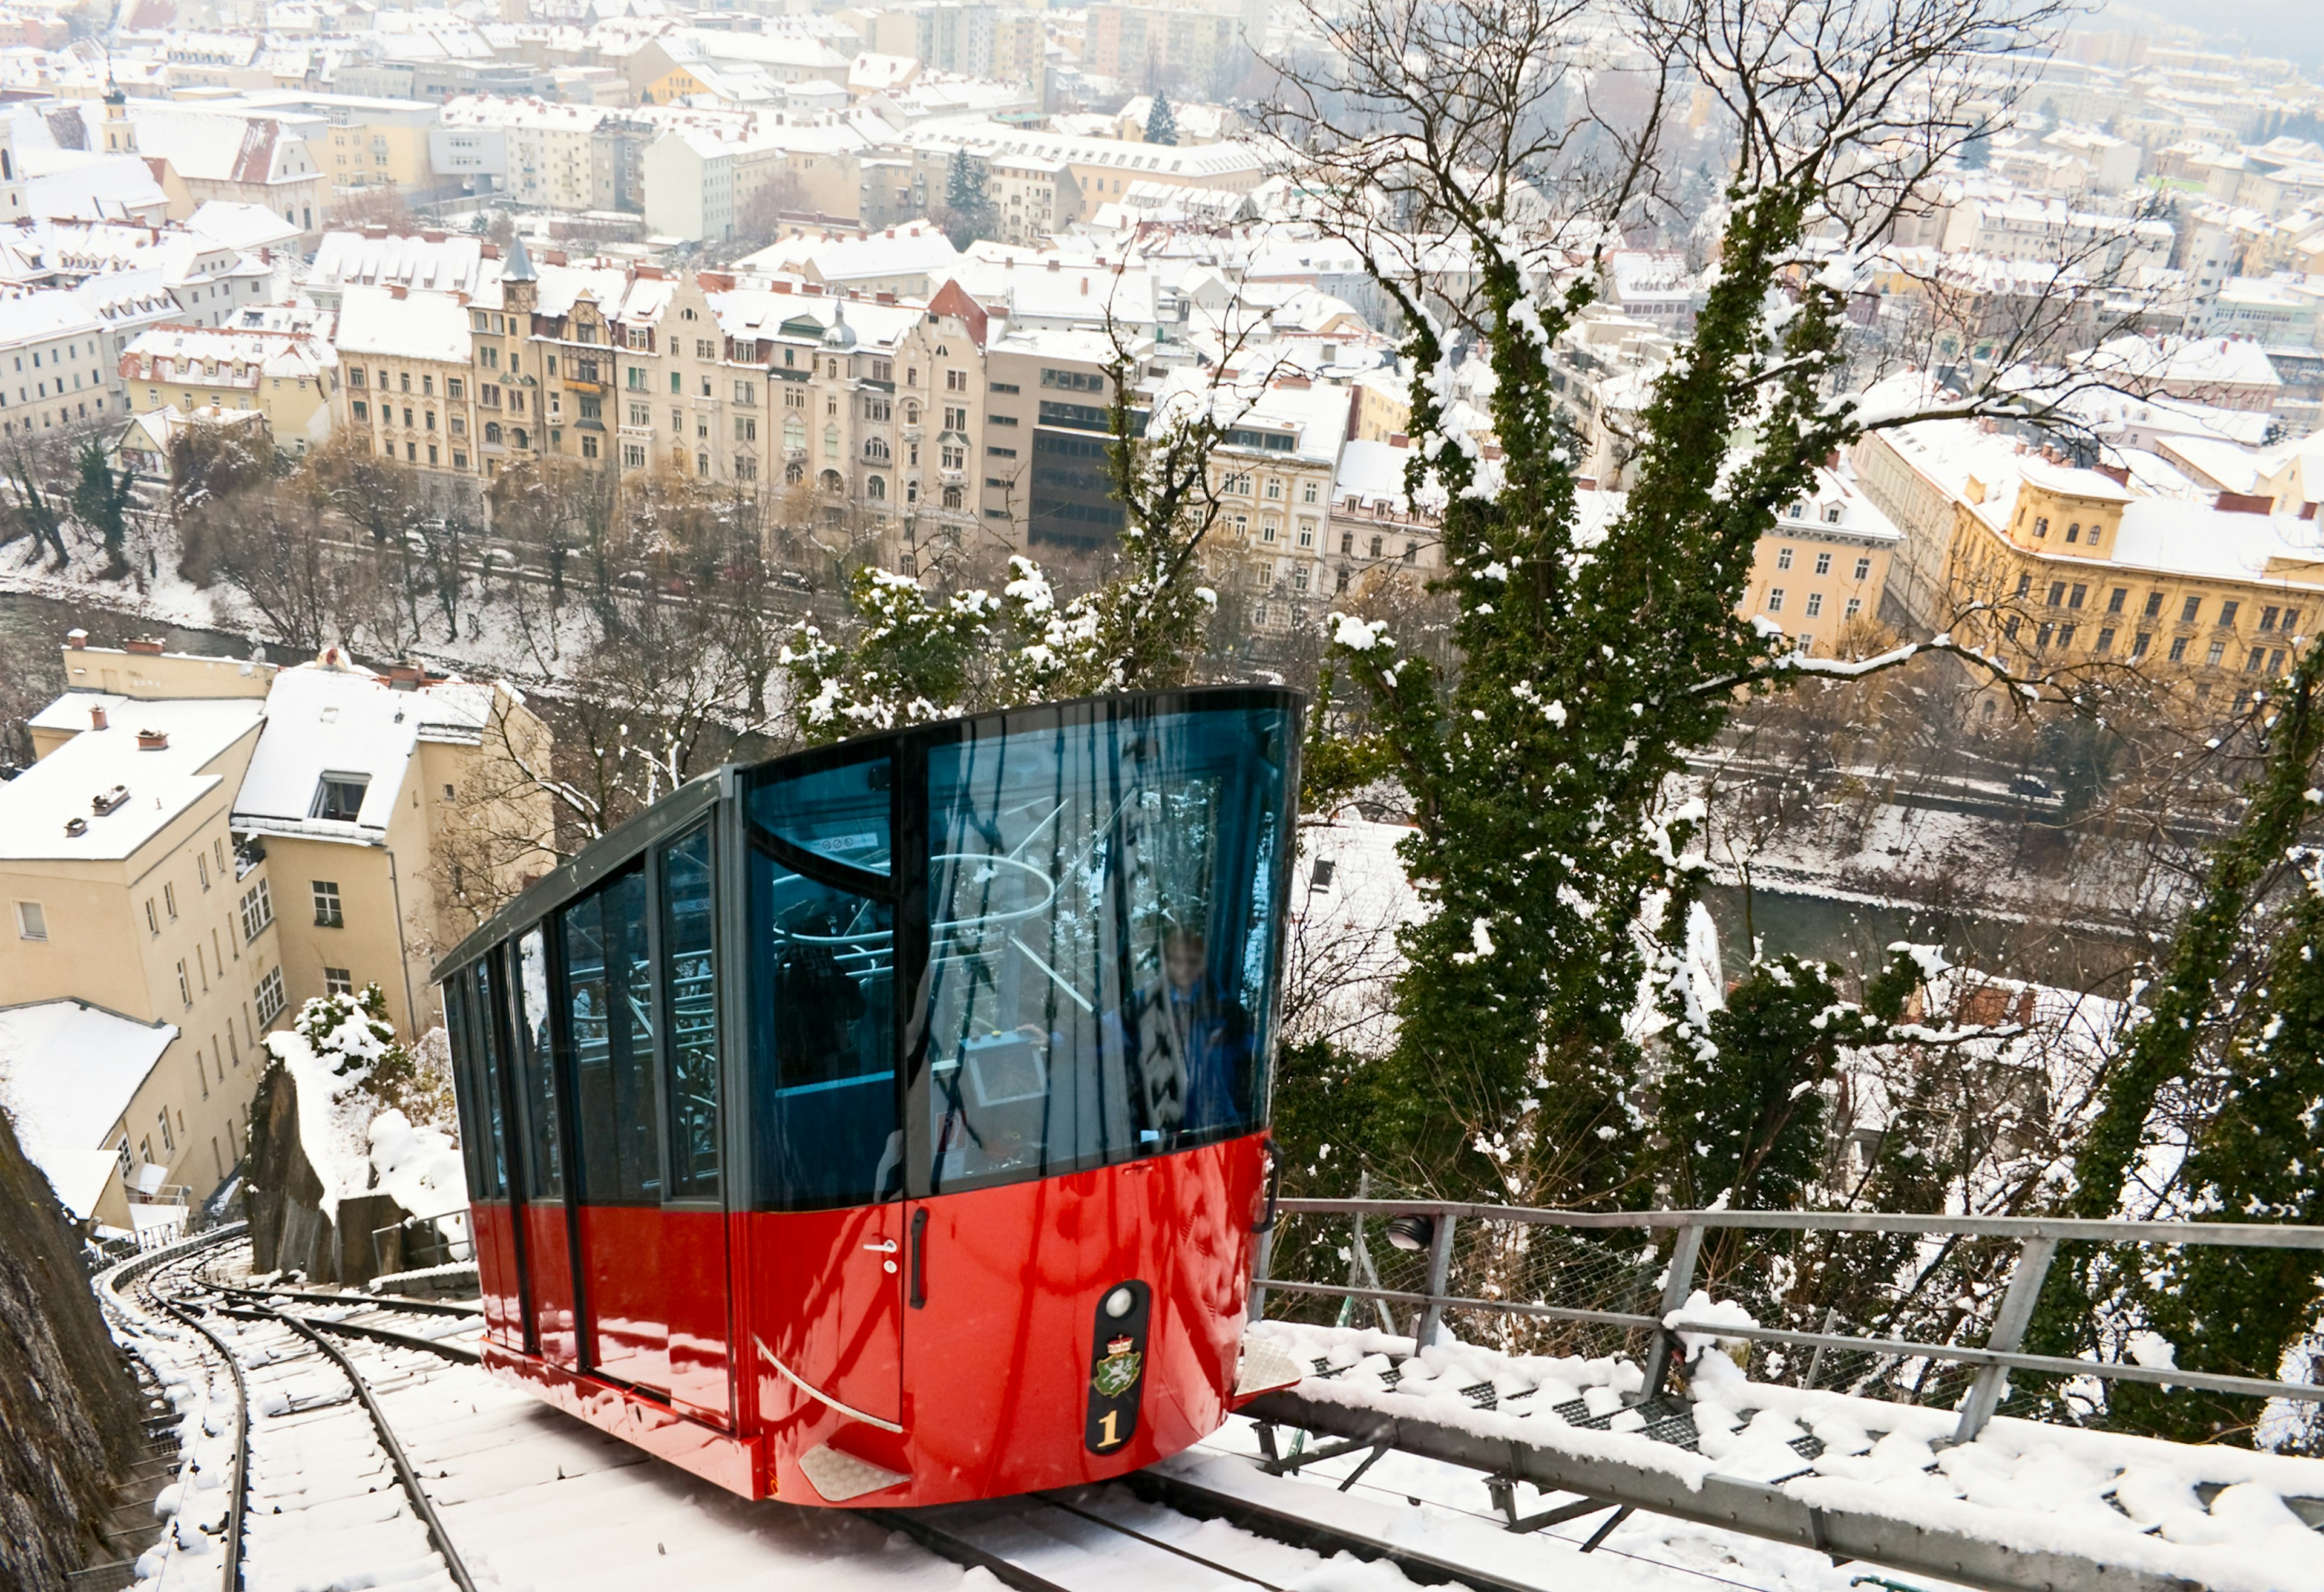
(153, 740)
(1399, 439)
(97, 715)
(2243, 503)
(398, 291)
(2307, 511)
(147, 646)
(2118, 474)
(1084, 287)
(77, 639)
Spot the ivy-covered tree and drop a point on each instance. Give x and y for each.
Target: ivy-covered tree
(2234, 1032)
(1592, 660)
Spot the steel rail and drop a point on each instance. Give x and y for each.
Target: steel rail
(141, 1272)
(1296, 1530)
(437, 1535)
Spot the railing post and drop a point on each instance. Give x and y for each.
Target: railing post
(1439, 1270)
(2009, 1334)
(1678, 1283)
(1262, 1267)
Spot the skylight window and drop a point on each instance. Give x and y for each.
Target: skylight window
(340, 796)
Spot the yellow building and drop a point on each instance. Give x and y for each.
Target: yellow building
(205, 843)
(1821, 568)
(286, 375)
(407, 384)
(2079, 568)
(125, 889)
(380, 154)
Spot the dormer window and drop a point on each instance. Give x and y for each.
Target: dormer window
(339, 797)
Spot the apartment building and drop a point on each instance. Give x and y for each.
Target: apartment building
(408, 378)
(54, 373)
(2082, 568)
(1273, 474)
(1821, 569)
(1044, 475)
(127, 889)
(285, 374)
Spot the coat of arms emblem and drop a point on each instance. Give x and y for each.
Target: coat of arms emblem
(1117, 1372)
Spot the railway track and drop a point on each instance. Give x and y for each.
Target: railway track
(333, 1433)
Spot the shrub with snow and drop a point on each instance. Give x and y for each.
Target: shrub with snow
(375, 1114)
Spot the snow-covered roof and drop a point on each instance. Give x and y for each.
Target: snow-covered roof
(67, 1071)
(2195, 539)
(162, 782)
(338, 719)
(444, 264)
(916, 249)
(417, 326)
(241, 225)
(212, 353)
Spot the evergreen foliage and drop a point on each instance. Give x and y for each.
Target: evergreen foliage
(1161, 122)
(2249, 1052)
(101, 498)
(967, 206)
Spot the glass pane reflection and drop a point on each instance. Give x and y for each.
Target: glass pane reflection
(1103, 930)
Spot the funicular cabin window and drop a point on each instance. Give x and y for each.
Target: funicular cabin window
(483, 1026)
(1100, 898)
(823, 982)
(690, 1012)
(609, 1020)
(544, 1161)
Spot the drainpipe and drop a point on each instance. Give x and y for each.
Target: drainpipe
(410, 1006)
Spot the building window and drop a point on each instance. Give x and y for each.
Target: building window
(339, 797)
(1855, 606)
(2106, 643)
(257, 910)
(153, 918)
(2154, 605)
(32, 921)
(268, 995)
(1783, 558)
(1815, 604)
(2178, 649)
(2227, 613)
(169, 901)
(202, 870)
(2187, 613)
(2056, 593)
(329, 914)
(2219, 651)
(1774, 599)
(185, 986)
(2074, 598)
(1824, 564)
(2140, 643)
(337, 980)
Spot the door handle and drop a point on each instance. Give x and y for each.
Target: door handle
(884, 1246)
(919, 1290)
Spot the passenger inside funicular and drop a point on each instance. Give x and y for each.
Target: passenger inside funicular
(1099, 897)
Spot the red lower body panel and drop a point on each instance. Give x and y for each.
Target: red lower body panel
(499, 1282)
(991, 1376)
(736, 1464)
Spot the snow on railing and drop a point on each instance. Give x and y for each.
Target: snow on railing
(1682, 1315)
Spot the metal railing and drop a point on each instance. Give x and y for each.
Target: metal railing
(423, 1241)
(1430, 1226)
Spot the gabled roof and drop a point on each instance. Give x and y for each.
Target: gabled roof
(67, 1071)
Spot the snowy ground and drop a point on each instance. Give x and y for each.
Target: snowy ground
(537, 1502)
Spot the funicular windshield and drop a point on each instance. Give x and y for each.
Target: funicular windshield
(1103, 923)
(1101, 899)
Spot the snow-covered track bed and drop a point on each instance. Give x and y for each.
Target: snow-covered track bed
(1126, 1537)
(2023, 1505)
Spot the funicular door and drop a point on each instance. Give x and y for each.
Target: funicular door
(480, 1035)
(826, 1237)
(695, 1263)
(607, 992)
(543, 1226)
